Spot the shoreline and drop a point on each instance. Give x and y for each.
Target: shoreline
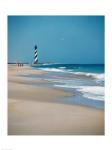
(34, 110)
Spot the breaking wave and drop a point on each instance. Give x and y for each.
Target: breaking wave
(91, 92)
(98, 76)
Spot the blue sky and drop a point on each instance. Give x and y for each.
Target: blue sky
(62, 39)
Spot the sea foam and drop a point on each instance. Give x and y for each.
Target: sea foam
(91, 92)
(92, 89)
(52, 69)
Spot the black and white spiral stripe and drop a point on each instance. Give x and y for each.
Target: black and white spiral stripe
(36, 56)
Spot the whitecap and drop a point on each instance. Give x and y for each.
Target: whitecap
(52, 69)
(91, 92)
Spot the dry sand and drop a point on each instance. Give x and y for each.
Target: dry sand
(34, 110)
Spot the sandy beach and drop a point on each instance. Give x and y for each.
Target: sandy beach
(34, 110)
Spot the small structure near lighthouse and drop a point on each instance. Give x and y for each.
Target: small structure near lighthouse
(36, 55)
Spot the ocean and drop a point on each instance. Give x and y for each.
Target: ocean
(84, 82)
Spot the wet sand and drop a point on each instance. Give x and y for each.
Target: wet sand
(34, 110)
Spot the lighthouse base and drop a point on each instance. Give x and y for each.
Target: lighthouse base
(36, 62)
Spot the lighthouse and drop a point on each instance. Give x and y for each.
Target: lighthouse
(36, 55)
